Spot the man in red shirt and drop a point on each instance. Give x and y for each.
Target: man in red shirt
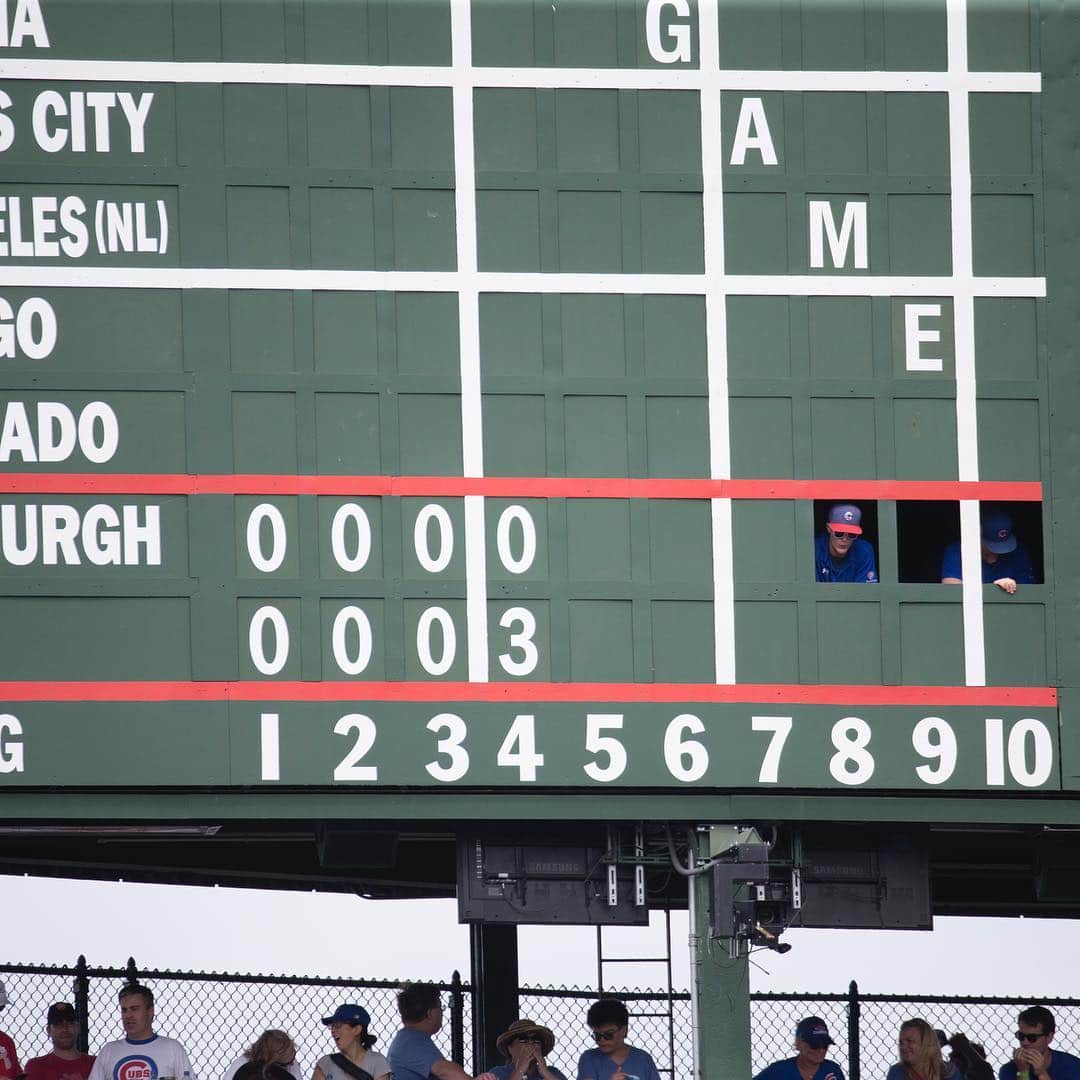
(9, 1060)
(65, 1062)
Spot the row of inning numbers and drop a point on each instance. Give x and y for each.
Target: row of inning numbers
(1021, 752)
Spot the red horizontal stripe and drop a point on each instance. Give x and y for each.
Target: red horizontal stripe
(514, 487)
(750, 693)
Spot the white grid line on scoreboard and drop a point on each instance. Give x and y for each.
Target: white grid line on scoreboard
(468, 293)
(719, 426)
(225, 72)
(967, 429)
(165, 277)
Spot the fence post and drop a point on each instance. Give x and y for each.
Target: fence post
(82, 1004)
(853, 1030)
(457, 1019)
(131, 971)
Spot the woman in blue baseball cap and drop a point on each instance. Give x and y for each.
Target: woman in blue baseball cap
(812, 1042)
(355, 1059)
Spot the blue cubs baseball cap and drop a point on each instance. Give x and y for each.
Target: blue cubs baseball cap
(997, 532)
(348, 1014)
(845, 516)
(814, 1031)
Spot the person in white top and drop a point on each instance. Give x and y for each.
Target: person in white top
(141, 1055)
(271, 1057)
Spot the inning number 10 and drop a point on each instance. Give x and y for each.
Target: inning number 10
(352, 638)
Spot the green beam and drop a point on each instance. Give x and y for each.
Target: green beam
(384, 805)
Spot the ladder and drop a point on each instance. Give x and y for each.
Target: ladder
(665, 1007)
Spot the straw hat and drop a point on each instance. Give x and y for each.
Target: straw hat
(526, 1027)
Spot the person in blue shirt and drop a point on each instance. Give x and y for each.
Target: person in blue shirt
(1036, 1030)
(412, 1053)
(812, 1042)
(613, 1058)
(1005, 562)
(526, 1044)
(840, 553)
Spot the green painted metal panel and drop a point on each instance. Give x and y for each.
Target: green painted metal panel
(308, 334)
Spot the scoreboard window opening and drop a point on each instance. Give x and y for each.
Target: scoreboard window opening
(868, 522)
(924, 530)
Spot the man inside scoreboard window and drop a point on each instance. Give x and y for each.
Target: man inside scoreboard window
(841, 555)
(1005, 561)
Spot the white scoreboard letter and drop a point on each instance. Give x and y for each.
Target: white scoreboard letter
(752, 133)
(679, 33)
(853, 226)
(915, 335)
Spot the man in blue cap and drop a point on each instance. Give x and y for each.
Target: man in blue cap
(1005, 561)
(840, 553)
(812, 1041)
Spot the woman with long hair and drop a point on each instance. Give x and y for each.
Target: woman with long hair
(920, 1053)
(272, 1056)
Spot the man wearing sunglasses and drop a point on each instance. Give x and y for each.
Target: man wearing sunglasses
(1033, 1058)
(841, 555)
(613, 1058)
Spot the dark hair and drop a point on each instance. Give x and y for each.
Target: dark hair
(607, 1011)
(1041, 1015)
(135, 990)
(963, 1053)
(416, 1000)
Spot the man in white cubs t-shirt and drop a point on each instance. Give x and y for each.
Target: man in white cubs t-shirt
(141, 1055)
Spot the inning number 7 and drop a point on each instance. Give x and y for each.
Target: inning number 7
(780, 726)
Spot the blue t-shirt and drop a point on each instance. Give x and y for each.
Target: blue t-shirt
(858, 565)
(1062, 1067)
(411, 1055)
(596, 1065)
(1016, 565)
(788, 1070)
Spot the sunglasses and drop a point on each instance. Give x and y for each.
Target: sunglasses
(1027, 1036)
(844, 535)
(603, 1036)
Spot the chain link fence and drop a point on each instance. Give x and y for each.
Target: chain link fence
(217, 1016)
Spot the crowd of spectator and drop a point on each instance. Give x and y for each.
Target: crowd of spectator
(924, 1052)
(143, 1054)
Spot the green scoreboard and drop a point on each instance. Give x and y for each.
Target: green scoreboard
(410, 396)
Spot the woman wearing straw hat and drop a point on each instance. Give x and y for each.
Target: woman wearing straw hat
(526, 1045)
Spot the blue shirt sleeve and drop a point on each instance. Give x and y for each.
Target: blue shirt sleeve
(585, 1071)
(645, 1065)
(950, 562)
(418, 1054)
(867, 571)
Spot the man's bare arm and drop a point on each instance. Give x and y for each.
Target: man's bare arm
(449, 1070)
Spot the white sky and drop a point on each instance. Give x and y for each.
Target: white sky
(209, 929)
